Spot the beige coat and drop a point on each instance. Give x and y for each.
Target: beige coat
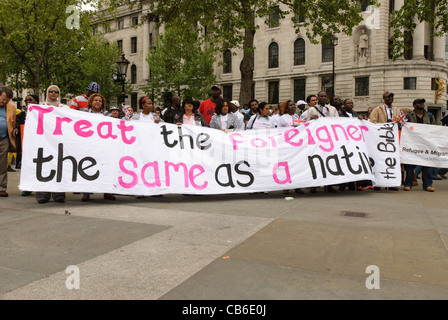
(379, 114)
(11, 124)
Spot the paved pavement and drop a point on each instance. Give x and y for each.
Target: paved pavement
(258, 246)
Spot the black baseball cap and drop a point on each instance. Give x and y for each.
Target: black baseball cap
(417, 101)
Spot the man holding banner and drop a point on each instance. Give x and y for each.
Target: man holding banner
(81, 152)
(419, 115)
(383, 114)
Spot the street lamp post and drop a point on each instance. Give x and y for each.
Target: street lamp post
(120, 77)
(334, 43)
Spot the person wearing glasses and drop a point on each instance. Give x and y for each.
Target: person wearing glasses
(53, 98)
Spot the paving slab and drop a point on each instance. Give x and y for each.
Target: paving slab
(241, 246)
(35, 245)
(233, 279)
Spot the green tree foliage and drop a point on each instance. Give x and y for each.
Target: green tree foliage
(180, 64)
(413, 12)
(98, 63)
(232, 24)
(51, 42)
(30, 30)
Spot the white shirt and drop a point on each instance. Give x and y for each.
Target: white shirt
(389, 112)
(240, 117)
(276, 118)
(259, 122)
(285, 120)
(223, 120)
(146, 117)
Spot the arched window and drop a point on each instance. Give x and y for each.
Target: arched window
(273, 55)
(133, 74)
(299, 52)
(227, 61)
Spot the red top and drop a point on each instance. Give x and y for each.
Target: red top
(207, 109)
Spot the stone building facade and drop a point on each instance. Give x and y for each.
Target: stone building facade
(288, 66)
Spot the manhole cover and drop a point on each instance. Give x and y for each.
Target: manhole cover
(354, 214)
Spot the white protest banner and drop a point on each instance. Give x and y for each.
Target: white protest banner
(424, 145)
(73, 151)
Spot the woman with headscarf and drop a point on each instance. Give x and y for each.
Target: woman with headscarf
(53, 96)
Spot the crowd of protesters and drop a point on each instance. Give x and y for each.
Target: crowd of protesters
(217, 113)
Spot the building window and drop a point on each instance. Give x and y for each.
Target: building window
(134, 45)
(273, 94)
(134, 97)
(362, 86)
(408, 43)
(106, 28)
(327, 85)
(134, 21)
(426, 52)
(273, 55)
(151, 41)
(227, 91)
(133, 74)
(273, 17)
(327, 51)
(389, 49)
(446, 47)
(434, 85)
(94, 31)
(410, 83)
(299, 89)
(120, 24)
(299, 16)
(227, 61)
(120, 45)
(363, 4)
(391, 6)
(299, 52)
